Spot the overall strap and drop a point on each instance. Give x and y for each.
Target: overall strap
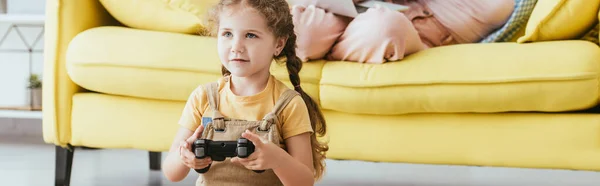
(271, 118)
(212, 91)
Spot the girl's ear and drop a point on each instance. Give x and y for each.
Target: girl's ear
(280, 45)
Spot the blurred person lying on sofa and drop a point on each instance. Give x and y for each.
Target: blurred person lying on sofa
(380, 35)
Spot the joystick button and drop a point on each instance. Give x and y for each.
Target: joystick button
(242, 151)
(199, 152)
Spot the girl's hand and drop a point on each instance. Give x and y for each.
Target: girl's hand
(266, 155)
(188, 157)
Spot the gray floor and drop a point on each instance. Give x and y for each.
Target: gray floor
(27, 161)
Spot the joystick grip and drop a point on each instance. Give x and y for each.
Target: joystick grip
(245, 147)
(200, 149)
(204, 170)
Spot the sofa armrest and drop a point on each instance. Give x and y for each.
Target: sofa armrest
(64, 20)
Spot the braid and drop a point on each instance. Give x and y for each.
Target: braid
(293, 64)
(317, 120)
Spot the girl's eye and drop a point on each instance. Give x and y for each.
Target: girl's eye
(251, 35)
(227, 34)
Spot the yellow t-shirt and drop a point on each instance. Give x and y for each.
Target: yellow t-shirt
(294, 117)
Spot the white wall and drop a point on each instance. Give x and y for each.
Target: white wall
(14, 66)
(25, 6)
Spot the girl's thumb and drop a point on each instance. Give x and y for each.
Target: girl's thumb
(196, 134)
(255, 139)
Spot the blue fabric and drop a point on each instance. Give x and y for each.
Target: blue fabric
(518, 18)
(206, 120)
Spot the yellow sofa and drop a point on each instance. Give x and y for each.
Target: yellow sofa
(502, 104)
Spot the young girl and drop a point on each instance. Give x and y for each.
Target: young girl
(251, 34)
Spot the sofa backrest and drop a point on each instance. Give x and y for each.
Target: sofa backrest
(549, 20)
(179, 16)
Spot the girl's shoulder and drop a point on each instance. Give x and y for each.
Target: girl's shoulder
(279, 87)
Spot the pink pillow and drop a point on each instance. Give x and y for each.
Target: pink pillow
(377, 36)
(316, 31)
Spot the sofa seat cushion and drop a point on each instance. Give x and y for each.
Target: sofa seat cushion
(497, 77)
(120, 119)
(532, 140)
(154, 65)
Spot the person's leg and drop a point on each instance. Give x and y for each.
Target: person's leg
(377, 36)
(316, 31)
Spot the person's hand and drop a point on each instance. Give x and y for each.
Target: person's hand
(188, 157)
(266, 155)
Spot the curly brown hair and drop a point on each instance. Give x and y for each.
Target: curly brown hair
(279, 21)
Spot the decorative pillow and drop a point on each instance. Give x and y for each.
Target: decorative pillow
(560, 20)
(316, 31)
(517, 20)
(180, 16)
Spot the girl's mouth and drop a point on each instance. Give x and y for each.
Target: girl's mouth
(239, 60)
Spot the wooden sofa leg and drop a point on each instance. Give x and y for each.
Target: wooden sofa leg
(64, 162)
(155, 159)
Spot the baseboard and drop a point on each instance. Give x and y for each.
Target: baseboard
(23, 108)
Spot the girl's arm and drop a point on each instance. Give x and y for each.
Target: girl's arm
(173, 167)
(296, 168)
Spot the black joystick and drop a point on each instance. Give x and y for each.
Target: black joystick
(219, 150)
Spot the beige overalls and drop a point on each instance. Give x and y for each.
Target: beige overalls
(230, 129)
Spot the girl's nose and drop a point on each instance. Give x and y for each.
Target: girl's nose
(237, 46)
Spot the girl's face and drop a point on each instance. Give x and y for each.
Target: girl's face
(246, 46)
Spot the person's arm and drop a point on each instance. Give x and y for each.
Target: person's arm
(180, 158)
(296, 168)
(296, 165)
(173, 167)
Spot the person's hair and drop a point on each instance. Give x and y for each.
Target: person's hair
(279, 20)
